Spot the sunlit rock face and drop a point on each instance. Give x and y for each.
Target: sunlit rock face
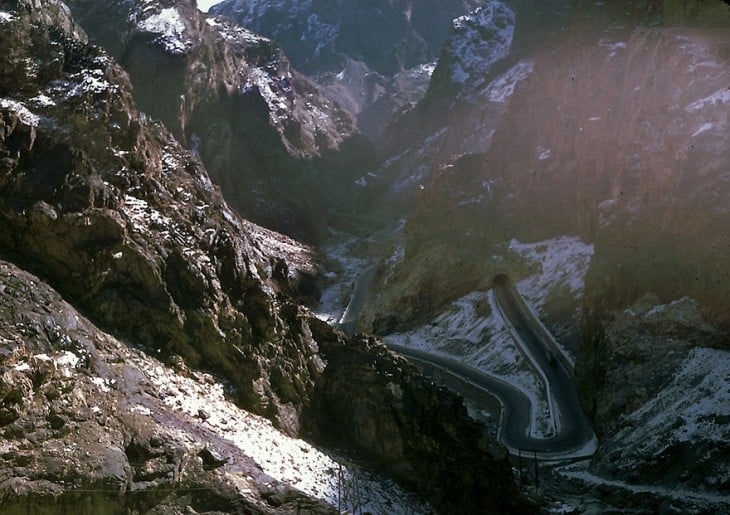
(126, 224)
(83, 414)
(264, 131)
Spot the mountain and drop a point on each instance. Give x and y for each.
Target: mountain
(265, 132)
(375, 57)
(581, 148)
(137, 307)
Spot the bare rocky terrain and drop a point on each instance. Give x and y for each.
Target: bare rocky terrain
(157, 354)
(116, 245)
(265, 132)
(607, 126)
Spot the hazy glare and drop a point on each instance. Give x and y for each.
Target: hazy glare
(204, 5)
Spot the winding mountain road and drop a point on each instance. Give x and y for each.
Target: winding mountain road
(573, 437)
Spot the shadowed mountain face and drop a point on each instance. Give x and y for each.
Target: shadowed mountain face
(374, 57)
(610, 123)
(611, 129)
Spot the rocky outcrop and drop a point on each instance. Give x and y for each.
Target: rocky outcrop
(650, 379)
(85, 428)
(264, 131)
(397, 419)
(126, 224)
(476, 42)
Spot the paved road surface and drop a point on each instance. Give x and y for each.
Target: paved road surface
(574, 437)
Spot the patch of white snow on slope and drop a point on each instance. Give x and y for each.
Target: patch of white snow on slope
(25, 115)
(472, 331)
(563, 262)
(502, 88)
(690, 409)
(286, 459)
(480, 39)
(716, 99)
(170, 27)
(6, 17)
(703, 128)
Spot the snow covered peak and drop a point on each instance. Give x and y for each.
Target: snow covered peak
(480, 39)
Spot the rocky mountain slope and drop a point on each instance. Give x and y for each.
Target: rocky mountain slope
(265, 132)
(374, 57)
(608, 127)
(112, 236)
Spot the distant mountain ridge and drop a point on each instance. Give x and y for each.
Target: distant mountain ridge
(368, 54)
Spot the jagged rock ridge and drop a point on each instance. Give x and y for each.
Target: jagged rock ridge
(375, 57)
(264, 131)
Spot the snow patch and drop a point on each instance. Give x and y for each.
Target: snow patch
(85, 82)
(101, 384)
(43, 101)
(144, 217)
(6, 17)
(169, 26)
(563, 262)
(479, 40)
(502, 88)
(25, 115)
(68, 359)
(22, 367)
(142, 410)
(689, 409)
(543, 153)
(703, 128)
(612, 47)
(232, 32)
(270, 87)
(719, 97)
(286, 459)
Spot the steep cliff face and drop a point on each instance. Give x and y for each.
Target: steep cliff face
(612, 131)
(123, 223)
(264, 131)
(374, 57)
(398, 419)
